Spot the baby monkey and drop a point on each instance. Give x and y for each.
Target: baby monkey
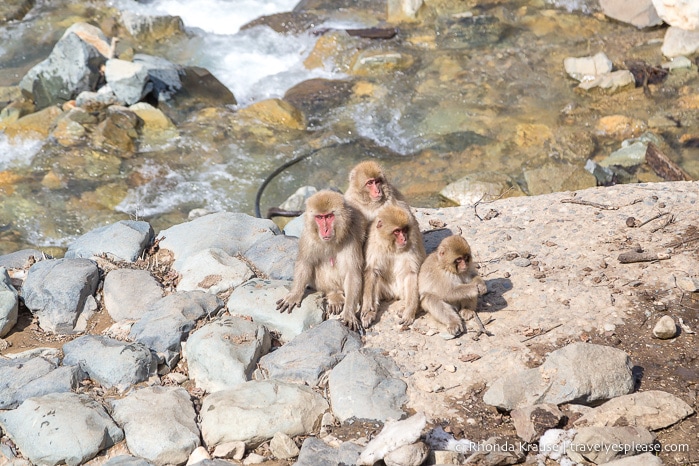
(449, 285)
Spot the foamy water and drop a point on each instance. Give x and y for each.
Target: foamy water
(14, 154)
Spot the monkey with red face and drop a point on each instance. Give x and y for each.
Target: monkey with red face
(330, 257)
(394, 251)
(449, 285)
(369, 190)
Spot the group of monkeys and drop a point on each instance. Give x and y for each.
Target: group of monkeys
(366, 247)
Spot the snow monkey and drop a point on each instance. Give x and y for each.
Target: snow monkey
(450, 285)
(393, 253)
(369, 190)
(330, 257)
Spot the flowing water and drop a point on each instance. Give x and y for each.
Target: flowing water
(483, 90)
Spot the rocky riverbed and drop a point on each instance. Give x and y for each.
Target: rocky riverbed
(162, 348)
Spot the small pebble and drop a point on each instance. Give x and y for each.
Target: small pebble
(450, 368)
(665, 328)
(522, 262)
(447, 336)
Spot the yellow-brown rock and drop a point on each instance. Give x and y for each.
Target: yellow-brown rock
(620, 126)
(157, 128)
(35, 125)
(276, 113)
(533, 135)
(331, 49)
(15, 110)
(68, 132)
(53, 180)
(377, 62)
(7, 181)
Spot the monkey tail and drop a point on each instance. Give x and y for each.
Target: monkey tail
(280, 169)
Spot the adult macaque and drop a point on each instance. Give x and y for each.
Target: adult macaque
(369, 190)
(450, 285)
(393, 253)
(330, 257)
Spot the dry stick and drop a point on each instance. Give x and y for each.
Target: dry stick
(682, 242)
(588, 203)
(670, 220)
(481, 201)
(634, 256)
(663, 166)
(542, 333)
(662, 214)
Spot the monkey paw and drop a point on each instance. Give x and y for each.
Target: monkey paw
(368, 316)
(456, 327)
(407, 318)
(482, 289)
(287, 304)
(351, 321)
(334, 303)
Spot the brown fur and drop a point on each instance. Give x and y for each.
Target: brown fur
(391, 271)
(447, 291)
(359, 196)
(333, 267)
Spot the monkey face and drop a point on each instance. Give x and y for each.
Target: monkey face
(400, 236)
(462, 263)
(375, 188)
(326, 230)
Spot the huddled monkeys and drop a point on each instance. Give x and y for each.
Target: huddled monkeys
(366, 247)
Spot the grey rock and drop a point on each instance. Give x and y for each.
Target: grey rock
(8, 303)
(682, 14)
(678, 42)
(151, 27)
(232, 232)
(159, 424)
(497, 450)
(274, 256)
(232, 450)
(532, 421)
(123, 240)
(26, 377)
(366, 385)
(72, 67)
(652, 410)
(126, 460)
(522, 262)
(224, 353)
(482, 186)
(315, 452)
(59, 291)
(297, 201)
(283, 447)
(213, 271)
(60, 428)
(295, 227)
(163, 74)
(312, 353)
(129, 293)
(170, 319)
(128, 80)
(20, 259)
(640, 13)
(645, 459)
(102, 98)
(685, 283)
(604, 444)
(257, 299)
(579, 372)
(585, 68)
(628, 156)
(665, 328)
(251, 412)
(110, 362)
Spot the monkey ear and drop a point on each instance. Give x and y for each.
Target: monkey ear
(379, 224)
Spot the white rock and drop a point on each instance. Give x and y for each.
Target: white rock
(254, 458)
(199, 454)
(407, 455)
(230, 450)
(680, 42)
(677, 63)
(665, 328)
(640, 13)
(394, 434)
(587, 68)
(214, 271)
(688, 284)
(283, 447)
(683, 14)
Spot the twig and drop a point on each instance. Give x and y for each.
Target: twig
(662, 214)
(542, 333)
(588, 203)
(670, 220)
(481, 201)
(635, 256)
(682, 242)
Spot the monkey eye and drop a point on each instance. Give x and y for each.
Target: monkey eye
(370, 182)
(329, 216)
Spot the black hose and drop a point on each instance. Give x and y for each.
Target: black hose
(280, 169)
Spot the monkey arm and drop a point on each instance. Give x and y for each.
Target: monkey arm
(443, 313)
(411, 297)
(353, 291)
(303, 272)
(370, 300)
(466, 291)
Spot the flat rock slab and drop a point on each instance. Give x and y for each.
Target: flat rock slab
(124, 240)
(579, 372)
(311, 354)
(315, 452)
(59, 291)
(254, 411)
(170, 319)
(21, 259)
(366, 385)
(257, 299)
(651, 410)
(26, 377)
(60, 428)
(8, 303)
(159, 424)
(532, 421)
(225, 352)
(604, 444)
(274, 256)
(234, 233)
(126, 460)
(110, 362)
(129, 293)
(214, 271)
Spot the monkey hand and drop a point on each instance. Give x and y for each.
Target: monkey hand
(351, 321)
(335, 302)
(482, 288)
(407, 318)
(288, 303)
(456, 326)
(368, 315)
